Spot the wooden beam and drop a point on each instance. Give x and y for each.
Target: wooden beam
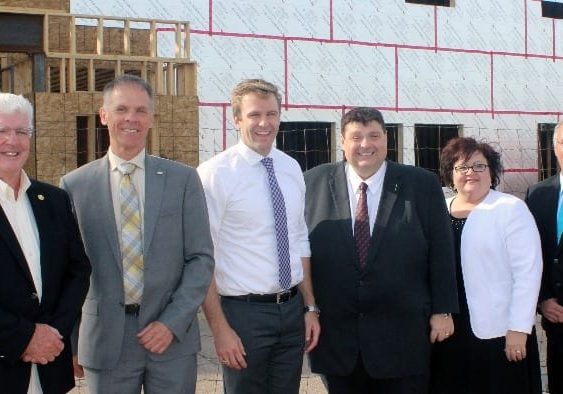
(170, 79)
(91, 76)
(100, 37)
(187, 48)
(127, 37)
(62, 74)
(72, 59)
(152, 40)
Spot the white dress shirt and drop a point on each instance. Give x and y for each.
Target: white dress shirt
(375, 186)
(20, 215)
(242, 220)
(138, 179)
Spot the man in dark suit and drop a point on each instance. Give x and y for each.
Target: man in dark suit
(382, 265)
(146, 230)
(43, 267)
(545, 202)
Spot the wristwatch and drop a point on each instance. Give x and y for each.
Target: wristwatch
(312, 308)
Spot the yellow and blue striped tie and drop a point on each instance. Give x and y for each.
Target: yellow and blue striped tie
(131, 236)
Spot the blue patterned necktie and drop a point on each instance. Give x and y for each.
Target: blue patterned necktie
(559, 219)
(361, 226)
(131, 236)
(280, 218)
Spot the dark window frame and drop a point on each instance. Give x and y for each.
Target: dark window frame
(429, 140)
(441, 3)
(547, 162)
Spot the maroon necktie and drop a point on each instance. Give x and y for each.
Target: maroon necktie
(361, 226)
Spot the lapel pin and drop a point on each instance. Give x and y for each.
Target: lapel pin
(40, 197)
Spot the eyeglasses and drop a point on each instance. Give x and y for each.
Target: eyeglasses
(21, 132)
(477, 167)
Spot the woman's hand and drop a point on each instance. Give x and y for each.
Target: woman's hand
(515, 347)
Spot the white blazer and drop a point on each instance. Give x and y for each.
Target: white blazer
(501, 262)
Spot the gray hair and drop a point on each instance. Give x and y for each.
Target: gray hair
(128, 80)
(12, 103)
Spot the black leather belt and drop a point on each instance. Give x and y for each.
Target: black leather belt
(132, 309)
(276, 298)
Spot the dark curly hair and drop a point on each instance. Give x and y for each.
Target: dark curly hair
(462, 148)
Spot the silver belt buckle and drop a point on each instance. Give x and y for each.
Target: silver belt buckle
(280, 295)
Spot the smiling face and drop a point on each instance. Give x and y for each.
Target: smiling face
(474, 186)
(365, 147)
(14, 147)
(258, 121)
(128, 114)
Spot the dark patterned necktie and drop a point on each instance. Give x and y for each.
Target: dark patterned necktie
(280, 218)
(361, 226)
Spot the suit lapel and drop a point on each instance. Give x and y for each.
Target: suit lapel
(103, 206)
(155, 176)
(391, 186)
(43, 222)
(12, 243)
(338, 185)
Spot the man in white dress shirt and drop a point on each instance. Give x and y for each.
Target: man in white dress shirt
(260, 305)
(44, 270)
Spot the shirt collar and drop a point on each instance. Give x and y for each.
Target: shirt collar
(6, 191)
(115, 160)
(252, 157)
(372, 181)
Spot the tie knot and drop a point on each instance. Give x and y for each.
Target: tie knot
(268, 162)
(363, 187)
(126, 168)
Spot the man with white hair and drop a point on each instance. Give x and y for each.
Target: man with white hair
(44, 270)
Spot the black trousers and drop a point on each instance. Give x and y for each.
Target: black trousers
(554, 336)
(359, 382)
(273, 337)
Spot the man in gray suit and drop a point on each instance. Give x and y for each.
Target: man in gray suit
(146, 230)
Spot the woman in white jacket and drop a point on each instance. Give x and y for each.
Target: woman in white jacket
(494, 348)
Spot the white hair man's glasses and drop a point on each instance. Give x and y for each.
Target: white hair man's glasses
(20, 132)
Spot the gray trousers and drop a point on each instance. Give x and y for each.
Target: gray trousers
(273, 337)
(136, 370)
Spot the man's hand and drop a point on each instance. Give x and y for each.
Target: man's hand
(78, 370)
(312, 331)
(441, 327)
(230, 349)
(552, 311)
(515, 347)
(155, 337)
(45, 345)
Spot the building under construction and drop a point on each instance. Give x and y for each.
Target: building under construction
(61, 63)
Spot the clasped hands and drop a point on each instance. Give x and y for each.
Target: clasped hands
(45, 345)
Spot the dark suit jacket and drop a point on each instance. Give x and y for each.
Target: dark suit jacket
(542, 199)
(382, 311)
(64, 270)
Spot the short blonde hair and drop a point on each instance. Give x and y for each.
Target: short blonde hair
(256, 86)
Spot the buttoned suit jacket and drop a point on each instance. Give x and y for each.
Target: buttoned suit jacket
(65, 273)
(177, 252)
(383, 310)
(542, 199)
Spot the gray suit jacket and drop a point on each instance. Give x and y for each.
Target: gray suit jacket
(178, 258)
